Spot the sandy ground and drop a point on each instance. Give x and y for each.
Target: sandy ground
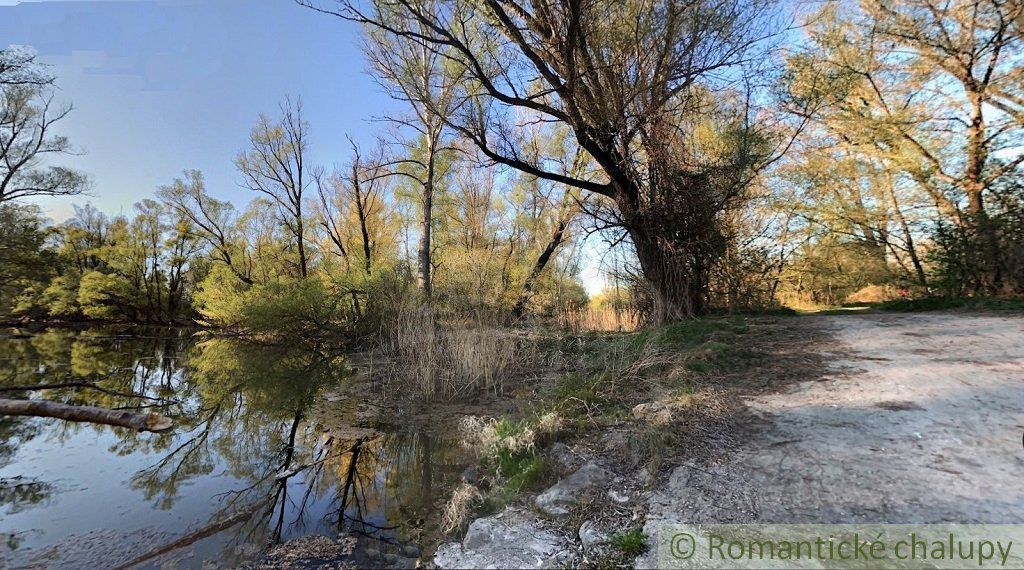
(919, 419)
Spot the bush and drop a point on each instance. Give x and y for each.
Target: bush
(284, 305)
(982, 256)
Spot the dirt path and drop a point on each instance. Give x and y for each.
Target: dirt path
(919, 420)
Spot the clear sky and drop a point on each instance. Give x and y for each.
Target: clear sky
(164, 85)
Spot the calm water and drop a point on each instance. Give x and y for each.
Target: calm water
(263, 450)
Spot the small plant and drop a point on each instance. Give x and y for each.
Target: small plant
(459, 507)
(524, 473)
(507, 449)
(631, 543)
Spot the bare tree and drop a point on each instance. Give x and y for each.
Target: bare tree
(624, 76)
(275, 166)
(354, 196)
(27, 118)
(424, 77)
(213, 220)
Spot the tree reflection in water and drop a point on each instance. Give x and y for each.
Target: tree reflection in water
(276, 460)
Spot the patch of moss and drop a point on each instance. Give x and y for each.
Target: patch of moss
(698, 366)
(631, 542)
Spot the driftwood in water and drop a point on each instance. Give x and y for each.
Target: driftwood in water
(194, 537)
(42, 408)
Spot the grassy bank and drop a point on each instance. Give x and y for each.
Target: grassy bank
(640, 402)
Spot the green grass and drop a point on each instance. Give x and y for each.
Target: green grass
(523, 472)
(513, 471)
(594, 396)
(693, 333)
(699, 366)
(631, 542)
(941, 303)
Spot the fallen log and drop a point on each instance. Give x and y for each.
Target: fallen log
(42, 408)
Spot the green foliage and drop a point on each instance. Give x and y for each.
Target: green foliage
(25, 261)
(631, 543)
(60, 298)
(983, 255)
(97, 295)
(283, 306)
(945, 303)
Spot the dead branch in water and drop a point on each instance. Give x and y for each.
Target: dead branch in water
(194, 537)
(41, 408)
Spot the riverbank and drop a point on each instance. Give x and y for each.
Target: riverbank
(568, 458)
(915, 417)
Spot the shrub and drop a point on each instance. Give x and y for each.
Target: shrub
(984, 256)
(284, 305)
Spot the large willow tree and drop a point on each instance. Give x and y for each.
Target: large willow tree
(640, 83)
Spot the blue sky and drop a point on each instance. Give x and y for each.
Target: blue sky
(160, 86)
(164, 85)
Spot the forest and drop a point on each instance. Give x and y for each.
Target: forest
(726, 171)
(719, 162)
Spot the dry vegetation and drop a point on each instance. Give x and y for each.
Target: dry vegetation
(439, 359)
(640, 400)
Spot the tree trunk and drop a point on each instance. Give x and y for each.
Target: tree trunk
(426, 222)
(538, 268)
(361, 212)
(41, 408)
(300, 237)
(908, 237)
(676, 287)
(677, 238)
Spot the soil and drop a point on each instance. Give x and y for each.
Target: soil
(918, 418)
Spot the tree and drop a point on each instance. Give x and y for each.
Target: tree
(624, 76)
(353, 212)
(25, 260)
(28, 117)
(18, 66)
(554, 208)
(211, 219)
(427, 79)
(930, 90)
(275, 166)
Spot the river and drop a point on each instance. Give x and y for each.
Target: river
(270, 444)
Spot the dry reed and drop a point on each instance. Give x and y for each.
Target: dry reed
(438, 359)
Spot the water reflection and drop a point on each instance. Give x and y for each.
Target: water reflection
(258, 455)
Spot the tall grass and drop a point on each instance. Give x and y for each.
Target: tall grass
(604, 319)
(438, 358)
